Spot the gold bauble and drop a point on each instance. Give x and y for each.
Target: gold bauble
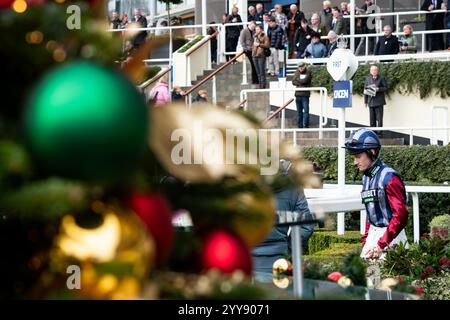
(254, 216)
(282, 266)
(114, 258)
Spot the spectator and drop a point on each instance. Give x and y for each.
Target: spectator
(233, 32)
(408, 41)
(338, 24)
(124, 21)
(316, 49)
(246, 37)
(294, 19)
(251, 14)
(277, 244)
(374, 90)
(177, 94)
(325, 17)
(302, 79)
(345, 11)
(159, 95)
(280, 17)
(275, 35)
(211, 30)
(115, 21)
(366, 28)
(332, 45)
(201, 97)
(387, 44)
(434, 21)
(260, 45)
(265, 23)
(302, 39)
(128, 53)
(142, 23)
(260, 12)
(315, 24)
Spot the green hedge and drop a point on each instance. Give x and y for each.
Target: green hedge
(190, 44)
(405, 77)
(323, 240)
(419, 164)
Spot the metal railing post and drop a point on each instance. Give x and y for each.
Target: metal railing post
(397, 28)
(321, 116)
(214, 91)
(244, 71)
(416, 221)
(411, 137)
(170, 44)
(294, 136)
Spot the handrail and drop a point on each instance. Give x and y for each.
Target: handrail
(201, 44)
(401, 13)
(273, 115)
(158, 76)
(212, 74)
(243, 102)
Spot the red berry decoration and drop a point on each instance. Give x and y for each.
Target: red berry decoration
(226, 252)
(156, 214)
(335, 276)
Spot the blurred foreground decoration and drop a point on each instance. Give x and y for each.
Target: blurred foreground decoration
(87, 122)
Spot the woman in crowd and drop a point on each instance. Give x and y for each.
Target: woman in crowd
(408, 41)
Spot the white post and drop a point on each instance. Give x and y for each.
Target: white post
(170, 46)
(341, 168)
(204, 17)
(321, 115)
(297, 261)
(362, 225)
(416, 220)
(152, 9)
(411, 137)
(214, 91)
(244, 71)
(352, 25)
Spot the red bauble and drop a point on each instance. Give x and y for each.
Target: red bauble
(155, 212)
(226, 252)
(335, 276)
(4, 4)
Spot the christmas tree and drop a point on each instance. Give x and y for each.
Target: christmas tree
(88, 184)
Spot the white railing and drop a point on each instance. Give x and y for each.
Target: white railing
(331, 199)
(411, 131)
(378, 15)
(323, 118)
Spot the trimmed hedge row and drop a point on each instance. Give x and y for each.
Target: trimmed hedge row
(322, 240)
(419, 164)
(405, 77)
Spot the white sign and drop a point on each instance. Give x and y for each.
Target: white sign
(342, 64)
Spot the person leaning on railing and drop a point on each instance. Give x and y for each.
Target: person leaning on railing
(408, 41)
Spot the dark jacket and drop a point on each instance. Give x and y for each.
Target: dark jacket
(387, 45)
(233, 31)
(340, 26)
(275, 36)
(140, 37)
(246, 39)
(325, 21)
(260, 16)
(302, 38)
(299, 15)
(379, 99)
(302, 80)
(277, 244)
(331, 47)
(433, 21)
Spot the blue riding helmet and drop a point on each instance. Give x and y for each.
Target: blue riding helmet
(362, 140)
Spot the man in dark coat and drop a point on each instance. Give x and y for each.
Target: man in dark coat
(277, 244)
(302, 79)
(434, 21)
(374, 89)
(387, 44)
(233, 32)
(294, 17)
(142, 22)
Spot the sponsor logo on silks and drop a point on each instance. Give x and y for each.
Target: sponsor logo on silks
(374, 170)
(369, 196)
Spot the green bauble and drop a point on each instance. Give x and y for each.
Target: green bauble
(86, 121)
